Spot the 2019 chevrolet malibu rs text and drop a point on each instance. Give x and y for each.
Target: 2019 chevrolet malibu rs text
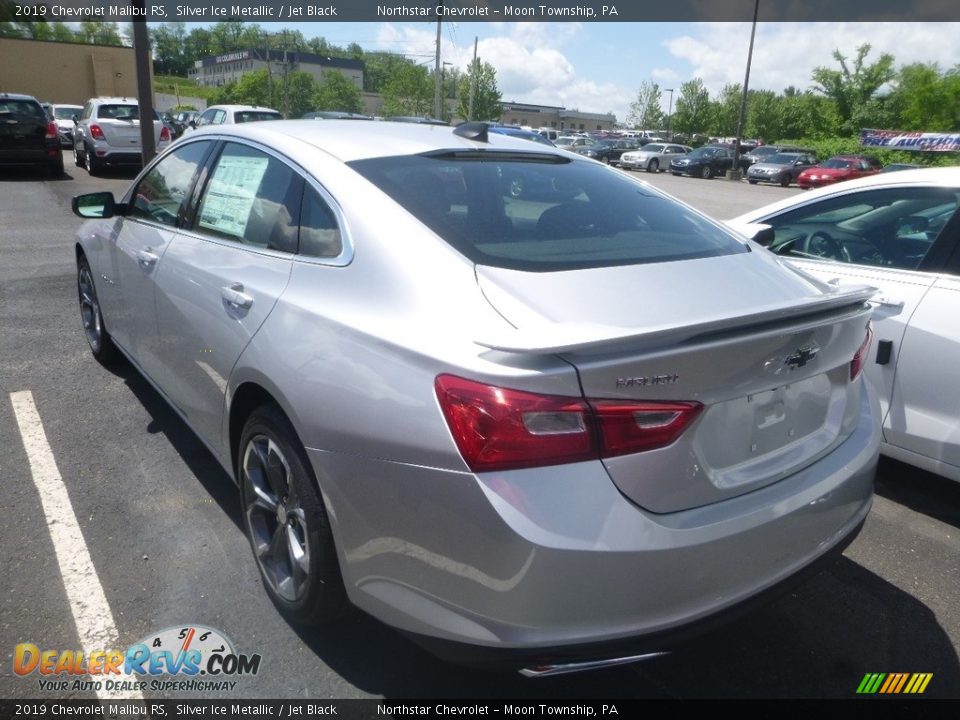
(563, 425)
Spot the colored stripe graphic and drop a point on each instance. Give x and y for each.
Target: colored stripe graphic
(894, 683)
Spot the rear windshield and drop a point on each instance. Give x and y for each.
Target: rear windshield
(65, 113)
(121, 112)
(243, 116)
(782, 158)
(21, 110)
(542, 213)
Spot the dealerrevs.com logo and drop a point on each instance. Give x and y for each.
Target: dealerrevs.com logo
(194, 658)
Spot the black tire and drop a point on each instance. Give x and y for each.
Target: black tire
(785, 181)
(99, 340)
(94, 166)
(55, 167)
(675, 174)
(752, 181)
(605, 160)
(76, 156)
(283, 516)
(653, 166)
(706, 172)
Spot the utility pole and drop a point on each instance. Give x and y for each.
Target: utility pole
(436, 67)
(735, 173)
(141, 54)
(473, 79)
(670, 114)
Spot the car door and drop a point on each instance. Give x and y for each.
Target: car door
(222, 277)
(155, 207)
(879, 245)
(924, 417)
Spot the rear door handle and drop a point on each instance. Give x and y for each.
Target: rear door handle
(146, 258)
(235, 296)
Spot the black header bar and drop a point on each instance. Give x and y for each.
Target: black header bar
(292, 11)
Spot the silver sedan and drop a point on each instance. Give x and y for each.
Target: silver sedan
(588, 418)
(653, 157)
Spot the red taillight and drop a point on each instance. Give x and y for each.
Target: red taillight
(856, 365)
(502, 429)
(165, 134)
(96, 133)
(629, 427)
(52, 131)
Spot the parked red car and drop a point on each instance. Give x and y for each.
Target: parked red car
(838, 168)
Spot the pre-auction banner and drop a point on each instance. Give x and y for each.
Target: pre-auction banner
(920, 141)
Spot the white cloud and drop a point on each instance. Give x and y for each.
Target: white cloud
(786, 53)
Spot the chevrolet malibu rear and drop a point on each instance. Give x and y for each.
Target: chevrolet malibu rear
(554, 427)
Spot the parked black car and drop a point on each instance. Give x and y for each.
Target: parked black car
(608, 151)
(27, 135)
(781, 168)
(706, 162)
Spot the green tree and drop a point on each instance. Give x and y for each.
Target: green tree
(692, 111)
(725, 111)
(487, 100)
(764, 115)
(408, 90)
(854, 88)
(168, 41)
(379, 67)
(337, 92)
(926, 99)
(645, 112)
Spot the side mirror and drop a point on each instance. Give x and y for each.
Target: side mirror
(75, 119)
(94, 205)
(758, 232)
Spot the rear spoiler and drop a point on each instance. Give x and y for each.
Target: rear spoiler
(564, 338)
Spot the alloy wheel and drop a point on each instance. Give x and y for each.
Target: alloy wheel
(276, 519)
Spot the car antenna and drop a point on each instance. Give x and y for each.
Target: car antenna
(473, 131)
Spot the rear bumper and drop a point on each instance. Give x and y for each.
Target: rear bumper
(531, 561)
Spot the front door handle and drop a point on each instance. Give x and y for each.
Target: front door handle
(147, 258)
(235, 296)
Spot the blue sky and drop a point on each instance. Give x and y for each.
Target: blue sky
(598, 67)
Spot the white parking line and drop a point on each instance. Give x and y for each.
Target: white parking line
(88, 603)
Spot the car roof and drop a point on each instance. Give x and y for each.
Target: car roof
(348, 140)
(241, 107)
(18, 96)
(115, 100)
(943, 177)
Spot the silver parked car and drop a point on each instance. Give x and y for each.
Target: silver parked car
(108, 133)
(584, 420)
(653, 157)
(780, 168)
(899, 232)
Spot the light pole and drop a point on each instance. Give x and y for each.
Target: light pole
(734, 173)
(443, 89)
(669, 113)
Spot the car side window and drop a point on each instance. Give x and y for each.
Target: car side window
(319, 233)
(887, 227)
(252, 198)
(161, 194)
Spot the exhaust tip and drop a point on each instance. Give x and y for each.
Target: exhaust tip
(547, 670)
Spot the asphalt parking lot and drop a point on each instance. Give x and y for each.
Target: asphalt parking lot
(161, 522)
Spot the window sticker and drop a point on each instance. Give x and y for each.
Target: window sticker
(233, 189)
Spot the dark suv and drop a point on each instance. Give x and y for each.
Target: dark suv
(27, 135)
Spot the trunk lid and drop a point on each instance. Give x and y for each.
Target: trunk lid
(765, 348)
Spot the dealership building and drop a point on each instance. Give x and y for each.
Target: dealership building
(214, 71)
(551, 116)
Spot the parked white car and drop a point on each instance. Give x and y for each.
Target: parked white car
(899, 232)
